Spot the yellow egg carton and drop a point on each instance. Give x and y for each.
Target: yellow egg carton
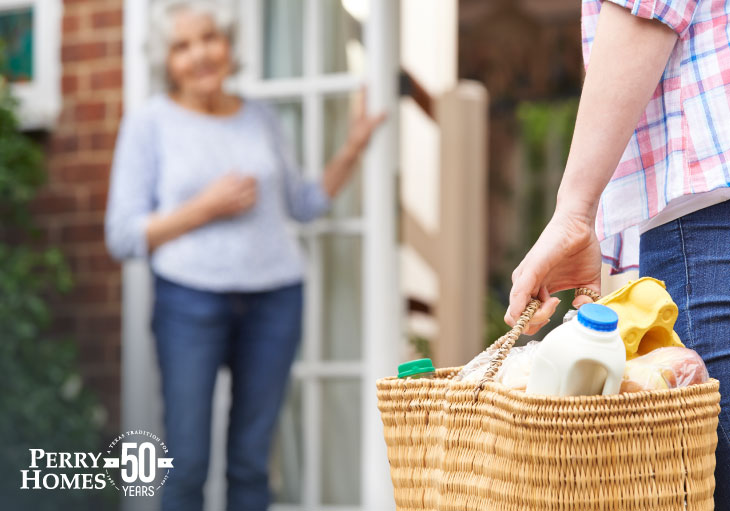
(646, 316)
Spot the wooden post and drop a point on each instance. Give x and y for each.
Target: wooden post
(461, 114)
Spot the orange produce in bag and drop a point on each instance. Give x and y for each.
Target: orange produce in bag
(664, 368)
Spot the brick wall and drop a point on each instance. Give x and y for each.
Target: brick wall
(70, 209)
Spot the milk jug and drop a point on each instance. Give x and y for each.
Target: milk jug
(584, 356)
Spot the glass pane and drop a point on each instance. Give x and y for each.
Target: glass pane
(283, 41)
(342, 35)
(286, 458)
(342, 290)
(337, 109)
(341, 420)
(16, 33)
(290, 117)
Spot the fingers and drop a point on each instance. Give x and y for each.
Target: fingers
(516, 274)
(360, 107)
(238, 191)
(379, 119)
(583, 299)
(533, 329)
(544, 313)
(360, 110)
(520, 295)
(250, 192)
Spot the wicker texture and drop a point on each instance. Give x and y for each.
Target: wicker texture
(452, 448)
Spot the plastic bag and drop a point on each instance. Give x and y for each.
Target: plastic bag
(475, 369)
(664, 368)
(514, 371)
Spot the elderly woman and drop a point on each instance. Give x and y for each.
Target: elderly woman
(203, 183)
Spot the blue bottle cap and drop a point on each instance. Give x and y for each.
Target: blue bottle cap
(597, 317)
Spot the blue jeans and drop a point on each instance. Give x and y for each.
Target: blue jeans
(197, 332)
(692, 256)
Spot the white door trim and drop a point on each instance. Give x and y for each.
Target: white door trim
(382, 340)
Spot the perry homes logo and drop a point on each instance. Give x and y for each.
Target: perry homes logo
(37, 479)
(135, 464)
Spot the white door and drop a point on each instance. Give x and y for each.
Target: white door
(308, 58)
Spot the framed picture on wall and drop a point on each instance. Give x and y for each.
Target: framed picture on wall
(30, 32)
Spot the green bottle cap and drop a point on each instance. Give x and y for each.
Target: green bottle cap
(422, 365)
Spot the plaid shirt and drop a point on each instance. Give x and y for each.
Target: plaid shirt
(681, 145)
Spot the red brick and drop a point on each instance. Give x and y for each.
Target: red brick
(98, 262)
(114, 354)
(100, 373)
(69, 84)
(83, 51)
(108, 382)
(91, 354)
(115, 49)
(64, 325)
(65, 143)
(109, 79)
(70, 209)
(90, 111)
(65, 119)
(90, 293)
(71, 24)
(102, 263)
(68, 308)
(107, 18)
(103, 141)
(115, 109)
(54, 203)
(91, 231)
(115, 291)
(75, 263)
(81, 172)
(98, 199)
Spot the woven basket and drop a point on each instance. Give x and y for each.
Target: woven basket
(454, 447)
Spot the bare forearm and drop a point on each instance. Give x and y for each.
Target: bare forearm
(164, 228)
(339, 170)
(628, 57)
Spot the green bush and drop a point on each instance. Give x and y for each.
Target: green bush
(43, 403)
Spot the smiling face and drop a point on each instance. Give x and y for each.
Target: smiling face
(199, 59)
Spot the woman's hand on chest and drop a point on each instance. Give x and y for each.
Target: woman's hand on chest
(227, 196)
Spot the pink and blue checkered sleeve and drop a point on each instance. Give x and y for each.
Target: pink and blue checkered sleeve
(676, 14)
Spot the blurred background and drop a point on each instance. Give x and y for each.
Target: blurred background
(414, 258)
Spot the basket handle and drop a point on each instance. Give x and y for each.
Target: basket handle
(504, 344)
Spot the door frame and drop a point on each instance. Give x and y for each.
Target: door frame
(382, 341)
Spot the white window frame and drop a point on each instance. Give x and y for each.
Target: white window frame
(381, 340)
(40, 99)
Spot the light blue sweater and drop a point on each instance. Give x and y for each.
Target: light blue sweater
(166, 154)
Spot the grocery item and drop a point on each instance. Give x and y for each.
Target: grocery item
(581, 357)
(571, 314)
(475, 369)
(646, 316)
(420, 368)
(515, 370)
(664, 368)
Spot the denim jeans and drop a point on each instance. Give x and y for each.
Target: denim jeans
(197, 332)
(692, 256)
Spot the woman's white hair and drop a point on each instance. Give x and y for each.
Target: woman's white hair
(160, 28)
